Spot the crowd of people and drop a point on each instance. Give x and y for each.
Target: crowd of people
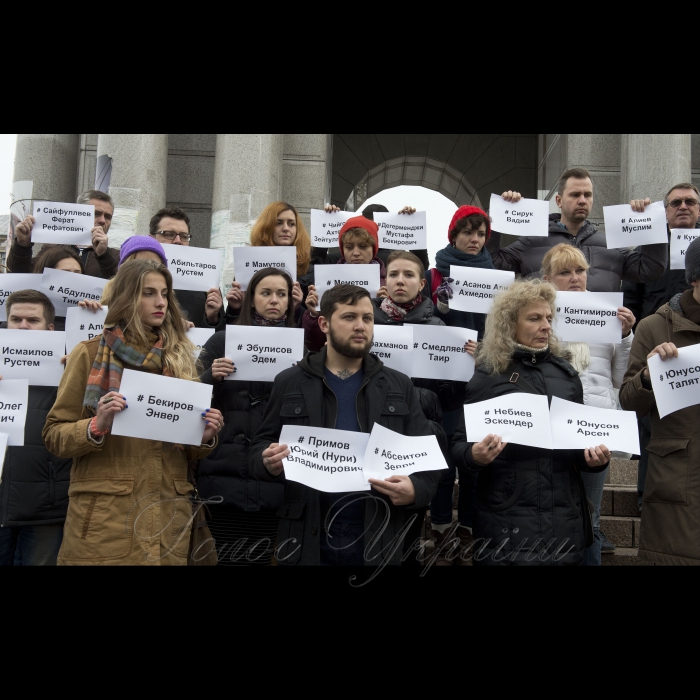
(77, 494)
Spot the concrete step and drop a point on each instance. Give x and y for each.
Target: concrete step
(623, 556)
(623, 472)
(620, 501)
(621, 531)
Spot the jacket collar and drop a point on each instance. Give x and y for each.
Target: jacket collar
(672, 312)
(418, 314)
(586, 231)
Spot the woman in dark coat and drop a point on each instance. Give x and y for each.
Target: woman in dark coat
(244, 524)
(530, 502)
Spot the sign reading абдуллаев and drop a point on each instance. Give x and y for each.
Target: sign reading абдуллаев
(14, 394)
(681, 238)
(588, 317)
(260, 353)
(393, 345)
(66, 289)
(194, 269)
(328, 276)
(438, 352)
(247, 260)
(324, 459)
(199, 337)
(325, 227)
(676, 381)
(528, 217)
(474, 288)
(32, 355)
(15, 282)
(162, 408)
(83, 324)
(625, 227)
(402, 231)
(58, 222)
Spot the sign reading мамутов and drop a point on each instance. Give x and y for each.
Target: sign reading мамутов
(393, 345)
(438, 352)
(324, 459)
(247, 260)
(402, 231)
(199, 337)
(14, 283)
(260, 353)
(14, 394)
(474, 288)
(162, 408)
(625, 227)
(194, 269)
(83, 324)
(66, 289)
(681, 238)
(528, 217)
(325, 227)
(58, 222)
(676, 381)
(328, 276)
(588, 317)
(32, 355)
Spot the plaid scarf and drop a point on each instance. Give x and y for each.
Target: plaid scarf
(259, 320)
(112, 354)
(396, 312)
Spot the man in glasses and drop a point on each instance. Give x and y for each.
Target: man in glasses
(204, 309)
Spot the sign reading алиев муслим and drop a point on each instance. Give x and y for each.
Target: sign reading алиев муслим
(194, 269)
(402, 231)
(625, 227)
(676, 380)
(59, 222)
(32, 355)
(326, 225)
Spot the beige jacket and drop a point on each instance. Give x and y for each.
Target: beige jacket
(129, 499)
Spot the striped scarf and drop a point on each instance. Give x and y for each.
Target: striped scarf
(396, 311)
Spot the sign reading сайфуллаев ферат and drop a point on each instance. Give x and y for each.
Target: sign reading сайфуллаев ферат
(59, 222)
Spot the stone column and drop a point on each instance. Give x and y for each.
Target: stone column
(139, 178)
(652, 164)
(247, 177)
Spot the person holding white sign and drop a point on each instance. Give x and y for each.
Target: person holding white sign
(601, 368)
(671, 491)
(531, 505)
(129, 500)
(34, 486)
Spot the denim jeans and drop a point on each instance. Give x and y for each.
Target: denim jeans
(594, 484)
(31, 545)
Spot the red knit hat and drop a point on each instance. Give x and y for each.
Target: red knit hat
(467, 210)
(363, 223)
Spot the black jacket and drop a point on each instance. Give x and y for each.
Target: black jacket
(193, 308)
(105, 266)
(225, 472)
(300, 396)
(34, 488)
(528, 496)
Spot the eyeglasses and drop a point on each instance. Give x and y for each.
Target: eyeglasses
(170, 235)
(689, 202)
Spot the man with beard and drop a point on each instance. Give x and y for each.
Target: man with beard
(343, 387)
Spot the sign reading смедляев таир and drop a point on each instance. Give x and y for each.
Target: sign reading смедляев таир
(328, 276)
(83, 324)
(14, 394)
(162, 408)
(34, 355)
(59, 222)
(527, 217)
(438, 352)
(474, 288)
(66, 289)
(15, 282)
(588, 317)
(625, 227)
(247, 260)
(393, 345)
(194, 269)
(325, 227)
(402, 231)
(681, 238)
(676, 380)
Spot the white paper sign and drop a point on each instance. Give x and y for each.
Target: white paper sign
(3, 450)
(32, 355)
(196, 269)
(58, 222)
(438, 352)
(528, 217)
(327, 276)
(681, 238)
(588, 317)
(676, 381)
(393, 345)
(625, 227)
(404, 231)
(247, 260)
(517, 417)
(260, 353)
(83, 324)
(162, 408)
(474, 288)
(66, 289)
(325, 227)
(575, 426)
(389, 453)
(14, 283)
(330, 469)
(14, 395)
(199, 337)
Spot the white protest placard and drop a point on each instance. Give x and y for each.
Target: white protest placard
(199, 337)
(404, 231)
(474, 288)
(681, 238)
(14, 395)
(325, 227)
(625, 227)
(576, 426)
(260, 353)
(196, 269)
(324, 459)
(327, 276)
(676, 381)
(83, 324)
(393, 345)
(528, 217)
(32, 355)
(438, 352)
(162, 408)
(66, 289)
(588, 317)
(518, 417)
(14, 283)
(3, 450)
(389, 453)
(58, 222)
(247, 260)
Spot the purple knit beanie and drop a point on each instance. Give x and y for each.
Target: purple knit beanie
(137, 243)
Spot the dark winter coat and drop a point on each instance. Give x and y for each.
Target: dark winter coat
(300, 396)
(528, 496)
(193, 307)
(20, 259)
(34, 488)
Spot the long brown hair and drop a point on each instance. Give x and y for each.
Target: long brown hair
(245, 318)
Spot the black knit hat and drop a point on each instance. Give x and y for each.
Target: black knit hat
(692, 261)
